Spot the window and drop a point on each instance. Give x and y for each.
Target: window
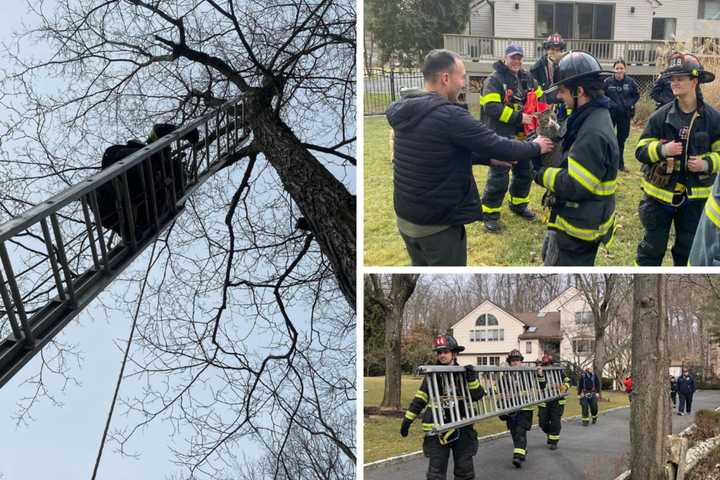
(488, 360)
(482, 361)
(528, 347)
(709, 9)
(663, 28)
(582, 345)
(575, 20)
(583, 318)
(494, 361)
(485, 335)
(492, 336)
(486, 320)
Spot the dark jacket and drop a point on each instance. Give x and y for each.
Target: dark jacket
(663, 126)
(623, 95)
(585, 183)
(662, 92)
(436, 143)
(705, 250)
(673, 386)
(540, 72)
(686, 385)
(420, 400)
(589, 383)
(503, 99)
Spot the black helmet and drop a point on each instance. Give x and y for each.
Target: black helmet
(576, 66)
(554, 41)
(514, 355)
(446, 342)
(686, 64)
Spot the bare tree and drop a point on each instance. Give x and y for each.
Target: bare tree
(249, 314)
(650, 409)
(390, 300)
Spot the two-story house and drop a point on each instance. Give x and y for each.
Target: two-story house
(564, 327)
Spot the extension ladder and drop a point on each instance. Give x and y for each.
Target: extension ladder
(56, 257)
(506, 389)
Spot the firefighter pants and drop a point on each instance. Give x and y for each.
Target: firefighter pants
(685, 402)
(446, 248)
(550, 420)
(560, 249)
(622, 127)
(497, 186)
(657, 218)
(673, 397)
(589, 406)
(519, 423)
(463, 450)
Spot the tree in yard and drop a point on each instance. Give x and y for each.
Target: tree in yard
(605, 295)
(407, 30)
(247, 328)
(650, 408)
(389, 296)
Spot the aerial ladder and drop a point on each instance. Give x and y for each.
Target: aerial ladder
(59, 255)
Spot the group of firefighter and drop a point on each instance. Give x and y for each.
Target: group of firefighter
(463, 442)
(679, 149)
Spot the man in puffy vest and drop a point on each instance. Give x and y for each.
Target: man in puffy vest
(502, 102)
(686, 390)
(680, 152)
(462, 442)
(622, 90)
(581, 192)
(518, 422)
(550, 413)
(435, 145)
(588, 392)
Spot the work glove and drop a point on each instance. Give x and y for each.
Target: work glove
(405, 428)
(661, 172)
(470, 373)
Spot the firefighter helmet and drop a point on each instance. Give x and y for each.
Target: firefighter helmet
(446, 342)
(514, 355)
(554, 41)
(576, 67)
(686, 64)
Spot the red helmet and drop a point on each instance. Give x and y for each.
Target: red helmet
(554, 41)
(547, 359)
(446, 342)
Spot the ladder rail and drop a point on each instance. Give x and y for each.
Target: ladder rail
(507, 389)
(64, 246)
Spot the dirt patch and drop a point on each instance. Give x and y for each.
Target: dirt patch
(708, 468)
(378, 412)
(707, 425)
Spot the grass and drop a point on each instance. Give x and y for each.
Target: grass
(382, 434)
(520, 243)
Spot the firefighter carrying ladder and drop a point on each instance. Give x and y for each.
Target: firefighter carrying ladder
(506, 389)
(56, 257)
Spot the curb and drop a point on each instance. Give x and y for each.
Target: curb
(484, 439)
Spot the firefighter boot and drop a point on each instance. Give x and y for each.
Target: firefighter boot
(492, 225)
(517, 460)
(594, 419)
(523, 212)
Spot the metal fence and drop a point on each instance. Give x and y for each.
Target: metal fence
(382, 87)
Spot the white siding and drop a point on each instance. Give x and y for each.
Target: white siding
(515, 23)
(481, 21)
(688, 23)
(512, 327)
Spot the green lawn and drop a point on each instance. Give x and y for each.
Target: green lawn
(382, 434)
(521, 241)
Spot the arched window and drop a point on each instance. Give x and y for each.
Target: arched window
(486, 320)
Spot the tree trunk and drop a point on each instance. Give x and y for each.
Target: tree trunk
(323, 200)
(650, 409)
(402, 288)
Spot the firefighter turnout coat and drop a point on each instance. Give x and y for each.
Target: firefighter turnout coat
(664, 125)
(706, 245)
(583, 188)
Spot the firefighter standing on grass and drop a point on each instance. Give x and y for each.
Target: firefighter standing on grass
(680, 150)
(502, 102)
(581, 192)
(519, 421)
(588, 392)
(461, 441)
(550, 413)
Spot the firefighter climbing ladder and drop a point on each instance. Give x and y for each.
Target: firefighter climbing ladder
(57, 257)
(506, 389)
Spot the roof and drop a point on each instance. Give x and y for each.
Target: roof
(546, 326)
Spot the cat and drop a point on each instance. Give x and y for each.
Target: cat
(548, 126)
